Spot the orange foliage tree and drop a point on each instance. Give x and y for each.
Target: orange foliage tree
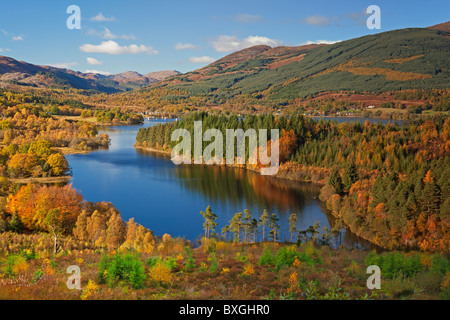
(33, 203)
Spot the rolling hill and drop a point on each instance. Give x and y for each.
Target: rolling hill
(412, 58)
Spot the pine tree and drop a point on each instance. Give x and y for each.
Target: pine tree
(350, 175)
(235, 226)
(225, 231)
(263, 220)
(253, 229)
(210, 221)
(274, 227)
(246, 223)
(292, 224)
(335, 181)
(15, 224)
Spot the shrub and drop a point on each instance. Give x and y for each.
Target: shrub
(394, 264)
(285, 256)
(249, 270)
(90, 289)
(214, 264)
(267, 258)
(400, 287)
(121, 269)
(14, 265)
(190, 262)
(288, 255)
(160, 273)
(440, 264)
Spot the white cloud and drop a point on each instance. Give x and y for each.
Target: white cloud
(204, 59)
(64, 65)
(5, 50)
(316, 20)
(13, 38)
(320, 42)
(112, 47)
(186, 46)
(101, 18)
(233, 43)
(248, 18)
(93, 61)
(107, 34)
(105, 73)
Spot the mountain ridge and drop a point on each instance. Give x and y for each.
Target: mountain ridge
(22, 73)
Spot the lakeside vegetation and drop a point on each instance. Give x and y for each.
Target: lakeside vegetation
(122, 260)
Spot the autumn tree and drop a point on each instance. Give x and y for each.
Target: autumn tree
(41, 149)
(288, 144)
(138, 238)
(80, 230)
(58, 164)
(115, 232)
(21, 165)
(96, 228)
(55, 226)
(33, 202)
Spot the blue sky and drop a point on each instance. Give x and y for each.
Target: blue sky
(146, 36)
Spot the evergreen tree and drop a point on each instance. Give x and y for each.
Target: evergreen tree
(274, 227)
(263, 220)
(15, 224)
(350, 176)
(292, 224)
(235, 226)
(335, 181)
(246, 223)
(225, 231)
(210, 221)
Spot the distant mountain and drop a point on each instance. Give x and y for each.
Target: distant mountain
(412, 58)
(20, 73)
(139, 79)
(442, 26)
(161, 75)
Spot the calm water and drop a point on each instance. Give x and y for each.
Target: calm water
(168, 199)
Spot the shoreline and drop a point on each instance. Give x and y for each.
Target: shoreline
(284, 173)
(61, 179)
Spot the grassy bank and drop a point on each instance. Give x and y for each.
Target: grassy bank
(224, 270)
